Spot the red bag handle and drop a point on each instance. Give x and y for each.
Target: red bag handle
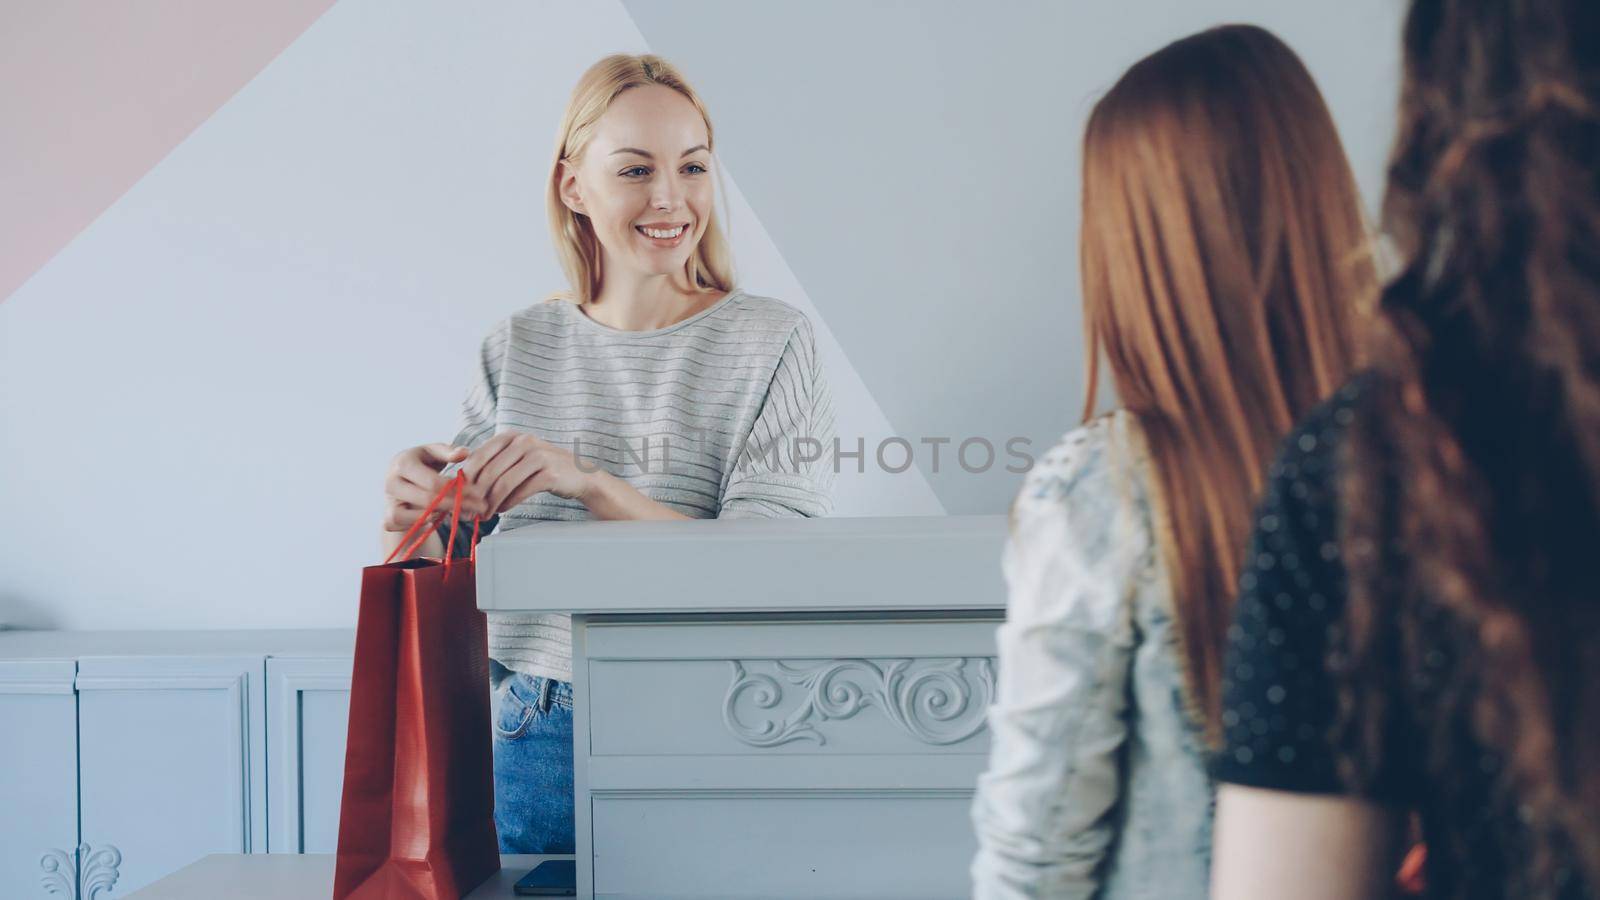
(459, 482)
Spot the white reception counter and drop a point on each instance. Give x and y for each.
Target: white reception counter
(770, 708)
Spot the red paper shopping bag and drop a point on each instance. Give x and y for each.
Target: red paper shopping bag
(417, 816)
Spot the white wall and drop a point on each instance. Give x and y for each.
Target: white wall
(200, 391)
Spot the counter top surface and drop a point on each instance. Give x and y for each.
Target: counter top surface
(304, 642)
(876, 563)
(294, 876)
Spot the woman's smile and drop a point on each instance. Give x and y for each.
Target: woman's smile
(663, 234)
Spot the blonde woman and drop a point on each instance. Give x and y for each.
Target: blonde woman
(655, 389)
(1222, 257)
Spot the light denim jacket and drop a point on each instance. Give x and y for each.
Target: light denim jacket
(1097, 783)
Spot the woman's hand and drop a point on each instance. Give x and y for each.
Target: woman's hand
(513, 466)
(414, 479)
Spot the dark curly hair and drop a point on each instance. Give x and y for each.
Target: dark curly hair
(1471, 530)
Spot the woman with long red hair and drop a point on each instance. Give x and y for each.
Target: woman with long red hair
(1223, 252)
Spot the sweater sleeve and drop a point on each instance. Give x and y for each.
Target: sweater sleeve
(476, 426)
(1044, 809)
(785, 466)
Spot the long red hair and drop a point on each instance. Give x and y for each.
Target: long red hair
(1224, 254)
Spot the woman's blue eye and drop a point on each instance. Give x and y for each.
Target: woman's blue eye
(639, 169)
(696, 167)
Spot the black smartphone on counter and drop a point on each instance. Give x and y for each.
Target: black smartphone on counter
(551, 878)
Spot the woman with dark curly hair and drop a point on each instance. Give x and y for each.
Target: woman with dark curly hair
(1418, 629)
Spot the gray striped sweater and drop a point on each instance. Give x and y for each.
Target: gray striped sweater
(708, 416)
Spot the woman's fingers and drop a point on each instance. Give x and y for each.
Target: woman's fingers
(408, 493)
(536, 483)
(490, 478)
(514, 481)
(394, 516)
(411, 467)
(440, 455)
(484, 455)
(399, 516)
(414, 479)
(402, 490)
(481, 465)
(498, 468)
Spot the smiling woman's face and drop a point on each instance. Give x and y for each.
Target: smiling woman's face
(644, 181)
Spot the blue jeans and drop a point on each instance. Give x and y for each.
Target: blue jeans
(532, 762)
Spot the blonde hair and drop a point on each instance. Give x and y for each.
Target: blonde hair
(710, 267)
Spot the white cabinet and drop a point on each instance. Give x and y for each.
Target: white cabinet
(819, 736)
(125, 756)
(38, 777)
(308, 701)
(171, 760)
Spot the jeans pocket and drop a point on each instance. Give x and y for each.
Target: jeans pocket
(516, 705)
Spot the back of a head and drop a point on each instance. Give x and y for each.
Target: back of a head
(1224, 256)
(1473, 506)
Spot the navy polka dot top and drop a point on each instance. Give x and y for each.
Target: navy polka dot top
(1279, 701)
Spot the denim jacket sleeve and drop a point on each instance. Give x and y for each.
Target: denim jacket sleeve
(1044, 808)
